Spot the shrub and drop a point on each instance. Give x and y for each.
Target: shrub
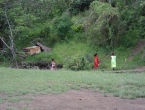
(77, 27)
(78, 6)
(77, 63)
(2, 58)
(142, 27)
(62, 26)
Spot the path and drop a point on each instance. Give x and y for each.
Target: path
(76, 100)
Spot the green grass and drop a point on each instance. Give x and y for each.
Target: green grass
(66, 50)
(17, 82)
(63, 51)
(43, 56)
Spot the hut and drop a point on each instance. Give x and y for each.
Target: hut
(32, 50)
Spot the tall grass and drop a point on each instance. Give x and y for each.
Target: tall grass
(63, 51)
(19, 81)
(67, 50)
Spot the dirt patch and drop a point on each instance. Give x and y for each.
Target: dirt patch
(76, 100)
(39, 65)
(135, 70)
(140, 45)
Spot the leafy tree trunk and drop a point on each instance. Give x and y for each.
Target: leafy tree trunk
(11, 47)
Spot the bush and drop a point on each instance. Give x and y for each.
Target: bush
(78, 6)
(142, 27)
(130, 39)
(2, 58)
(77, 63)
(62, 26)
(77, 27)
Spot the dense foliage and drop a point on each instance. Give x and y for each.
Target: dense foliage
(78, 6)
(101, 23)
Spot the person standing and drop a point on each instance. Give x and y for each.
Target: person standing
(96, 61)
(113, 61)
(53, 64)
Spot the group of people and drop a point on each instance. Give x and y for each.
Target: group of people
(97, 62)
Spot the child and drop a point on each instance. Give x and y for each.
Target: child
(113, 61)
(96, 61)
(53, 64)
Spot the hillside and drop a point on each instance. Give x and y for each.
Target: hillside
(74, 32)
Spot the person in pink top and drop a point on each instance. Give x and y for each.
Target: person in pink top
(53, 64)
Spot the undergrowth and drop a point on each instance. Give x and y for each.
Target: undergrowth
(79, 56)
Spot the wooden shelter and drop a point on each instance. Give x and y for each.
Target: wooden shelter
(43, 48)
(32, 50)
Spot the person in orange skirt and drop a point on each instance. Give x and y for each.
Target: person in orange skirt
(96, 61)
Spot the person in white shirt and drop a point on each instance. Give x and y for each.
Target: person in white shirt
(113, 61)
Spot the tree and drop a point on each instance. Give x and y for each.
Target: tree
(11, 47)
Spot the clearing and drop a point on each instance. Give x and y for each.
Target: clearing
(74, 100)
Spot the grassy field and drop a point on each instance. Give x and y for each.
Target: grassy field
(21, 82)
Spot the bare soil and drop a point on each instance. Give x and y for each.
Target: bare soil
(135, 70)
(74, 100)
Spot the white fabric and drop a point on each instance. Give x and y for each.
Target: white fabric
(113, 61)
